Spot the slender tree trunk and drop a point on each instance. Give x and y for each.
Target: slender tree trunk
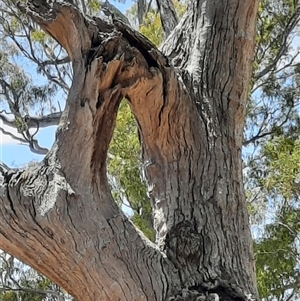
(189, 102)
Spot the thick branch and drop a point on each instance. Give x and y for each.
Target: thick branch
(52, 17)
(209, 38)
(64, 233)
(112, 11)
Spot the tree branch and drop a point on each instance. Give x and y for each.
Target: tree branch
(13, 136)
(53, 194)
(36, 148)
(141, 10)
(56, 62)
(33, 122)
(75, 39)
(30, 290)
(27, 140)
(291, 24)
(168, 15)
(43, 121)
(112, 11)
(260, 134)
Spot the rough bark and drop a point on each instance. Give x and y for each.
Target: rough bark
(59, 216)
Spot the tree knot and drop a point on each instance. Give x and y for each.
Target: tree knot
(193, 295)
(184, 242)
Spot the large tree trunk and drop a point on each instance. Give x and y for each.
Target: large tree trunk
(189, 102)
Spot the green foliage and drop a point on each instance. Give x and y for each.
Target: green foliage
(151, 27)
(20, 124)
(24, 296)
(272, 155)
(8, 296)
(283, 162)
(15, 25)
(274, 86)
(273, 22)
(20, 93)
(123, 166)
(277, 254)
(38, 36)
(94, 5)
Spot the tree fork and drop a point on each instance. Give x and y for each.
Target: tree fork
(60, 215)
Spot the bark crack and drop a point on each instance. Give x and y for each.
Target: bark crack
(10, 202)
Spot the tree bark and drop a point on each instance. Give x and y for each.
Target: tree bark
(168, 15)
(189, 103)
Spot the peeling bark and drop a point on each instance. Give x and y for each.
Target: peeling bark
(189, 101)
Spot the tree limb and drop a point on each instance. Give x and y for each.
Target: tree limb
(292, 23)
(112, 11)
(13, 136)
(260, 134)
(43, 121)
(48, 194)
(141, 10)
(30, 290)
(56, 62)
(36, 148)
(168, 15)
(79, 41)
(28, 140)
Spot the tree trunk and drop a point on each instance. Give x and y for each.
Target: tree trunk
(189, 102)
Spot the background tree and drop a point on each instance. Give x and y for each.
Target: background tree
(19, 282)
(271, 159)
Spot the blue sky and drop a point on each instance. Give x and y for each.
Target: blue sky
(15, 154)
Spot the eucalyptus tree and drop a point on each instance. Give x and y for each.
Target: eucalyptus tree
(19, 282)
(189, 101)
(67, 215)
(271, 155)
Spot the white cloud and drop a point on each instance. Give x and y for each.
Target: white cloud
(6, 139)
